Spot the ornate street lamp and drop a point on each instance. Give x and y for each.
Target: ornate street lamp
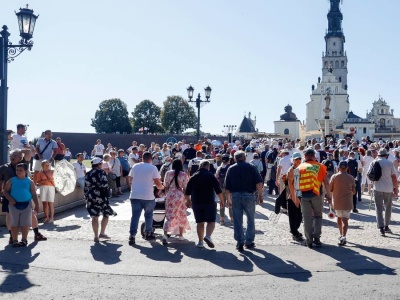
(8, 51)
(198, 102)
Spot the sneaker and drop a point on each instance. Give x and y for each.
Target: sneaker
(387, 229)
(250, 246)
(355, 210)
(342, 241)
(382, 230)
(40, 237)
(239, 247)
(165, 240)
(149, 236)
(209, 241)
(131, 240)
(317, 242)
(200, 244)
(308, 244)
(297, 238)
(284, 211)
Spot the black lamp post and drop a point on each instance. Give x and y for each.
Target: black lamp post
(8, 51)
(230, 129)
(198, 102)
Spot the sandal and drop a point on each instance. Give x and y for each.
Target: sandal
(222, 222)
(96, 240)
(23, 243)
(16, 244)
(104, 236)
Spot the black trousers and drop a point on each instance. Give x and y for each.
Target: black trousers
(295, 217)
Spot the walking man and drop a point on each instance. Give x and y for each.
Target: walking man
(201, 188)
(384, 189)
(143, 175)
(312, 175)
(241, 182)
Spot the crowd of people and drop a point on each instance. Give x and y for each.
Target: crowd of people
(303, 175)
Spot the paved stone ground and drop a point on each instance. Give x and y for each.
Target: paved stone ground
(271, 229)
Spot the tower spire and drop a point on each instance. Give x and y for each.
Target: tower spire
(335, 19)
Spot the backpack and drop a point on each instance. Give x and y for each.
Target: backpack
(222, 174)
(329, 165)
(164, 170)
(195, 166)
(352, 167)
(375, 171)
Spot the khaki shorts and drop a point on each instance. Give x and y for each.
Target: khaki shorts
(20, 217)
(343, 213)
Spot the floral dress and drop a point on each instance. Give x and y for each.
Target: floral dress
(96, 194)
(175, 203)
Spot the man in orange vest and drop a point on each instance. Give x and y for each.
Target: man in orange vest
(309, 192)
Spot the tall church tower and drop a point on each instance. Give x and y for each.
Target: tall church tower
(334, 76)
(334, 55)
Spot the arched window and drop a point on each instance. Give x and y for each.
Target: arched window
(342, 63)
(364, 130)
(382, 123)
(382, 111)
(336, 90)
(286, 131)
(326, 64)
(337, 64)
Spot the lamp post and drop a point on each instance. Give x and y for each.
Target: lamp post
(198, 102)
(8, 51)
(230, 129)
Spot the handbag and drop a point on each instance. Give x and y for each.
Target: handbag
(112, 176)
(41, 152)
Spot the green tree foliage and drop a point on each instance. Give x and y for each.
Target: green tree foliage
(112, 116)
(147, 114)
(177, 115)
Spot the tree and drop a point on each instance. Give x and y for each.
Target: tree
(177, 115)
(112, 116)
(147, 115)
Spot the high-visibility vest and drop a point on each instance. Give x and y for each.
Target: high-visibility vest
(312, 174)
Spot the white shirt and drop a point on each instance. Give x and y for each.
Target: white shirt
(80, 169)
(143, 175)
(68, 154)
(98, 149)
(184, 147)
(115, 166)
(131, 158)
(18, 141)
(285, 164)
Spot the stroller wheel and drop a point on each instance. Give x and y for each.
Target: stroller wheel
(143, 229)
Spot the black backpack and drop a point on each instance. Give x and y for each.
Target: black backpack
(352, 167)
(375, 171)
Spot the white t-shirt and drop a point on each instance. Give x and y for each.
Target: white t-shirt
(184, 147)
(131, 158)
(115, 166)
(79, 169)
(285, 163)
(143, 175)
(98, 149)
(18, 141)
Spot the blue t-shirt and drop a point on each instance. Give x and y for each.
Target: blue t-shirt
(21, 189)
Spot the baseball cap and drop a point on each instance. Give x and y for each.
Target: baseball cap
(343, 164)
(96, 160)
(296, 155)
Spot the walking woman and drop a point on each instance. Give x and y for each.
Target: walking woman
(175, 203)
(47, 191)
(20, 191)
(96, 194)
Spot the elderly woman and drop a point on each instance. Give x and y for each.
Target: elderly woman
(96, 194)
(107, 166)
(47, 191)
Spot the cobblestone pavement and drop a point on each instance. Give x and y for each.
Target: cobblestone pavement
(271, 229)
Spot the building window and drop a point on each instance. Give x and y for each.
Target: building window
(334, 44)
(286, 131)
(382, 123)
(342, 63)
(364, 130)
(382, 111)
(326, 64)
(337, 64)
(336, 90)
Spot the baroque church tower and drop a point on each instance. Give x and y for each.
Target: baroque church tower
(334, 76)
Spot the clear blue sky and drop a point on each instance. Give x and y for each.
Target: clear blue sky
(257, 55)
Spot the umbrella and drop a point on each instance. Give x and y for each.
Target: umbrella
(64, 177)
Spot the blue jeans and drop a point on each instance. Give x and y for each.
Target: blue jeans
(137, 206)
(243, 203)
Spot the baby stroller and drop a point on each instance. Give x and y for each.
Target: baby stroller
(159, 212)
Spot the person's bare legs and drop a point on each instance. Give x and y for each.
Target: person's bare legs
(51, 208)
(35, 223)
(104, 223)
(14, 233)
(95, 226)
(8, 222)
(345, 226)
(25, 231)
(339, 223)
(46, 210)
(35, 177)
(181, 231)
(200, 231)
(210, 228)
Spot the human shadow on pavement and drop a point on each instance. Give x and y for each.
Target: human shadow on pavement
(55, 227)
(354, 262)
(380, 251)
(15, 261)
(276, 266)
(106, 252)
